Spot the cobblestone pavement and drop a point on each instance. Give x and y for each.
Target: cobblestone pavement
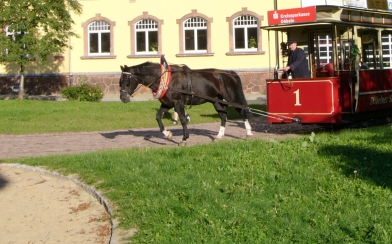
(31, 145)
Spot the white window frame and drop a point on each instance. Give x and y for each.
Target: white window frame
(387, 40)
(325, 41)
(195, 24)
(245, 22)
(100, 27)
(145, 26)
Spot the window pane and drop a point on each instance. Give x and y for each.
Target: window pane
(93, 42)
(105, 43)
(153, 41)
(140, 42)
(189, 40)
(252, 37)
(202, 40)
(239, 38)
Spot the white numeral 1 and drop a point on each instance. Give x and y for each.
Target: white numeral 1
(297, 98)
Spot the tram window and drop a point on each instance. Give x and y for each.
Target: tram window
(322, 51)
(386, 38)
(370, 57)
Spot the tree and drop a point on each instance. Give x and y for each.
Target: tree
(33, 30)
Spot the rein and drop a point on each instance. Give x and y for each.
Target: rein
(148, 86)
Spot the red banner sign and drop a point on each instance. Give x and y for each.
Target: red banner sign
(290, 16)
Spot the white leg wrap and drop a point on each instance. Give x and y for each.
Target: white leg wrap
(221, 132)
(166, 133)
(248, 128)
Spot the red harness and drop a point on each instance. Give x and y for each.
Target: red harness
(163, 83)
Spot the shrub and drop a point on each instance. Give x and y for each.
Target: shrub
(83, 92)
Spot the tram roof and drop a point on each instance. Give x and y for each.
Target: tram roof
(333, 15)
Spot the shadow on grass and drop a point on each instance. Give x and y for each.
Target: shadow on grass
(232, 114)
(156, 137)
(365, 163)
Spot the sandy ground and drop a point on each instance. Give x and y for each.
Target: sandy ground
(43, 208)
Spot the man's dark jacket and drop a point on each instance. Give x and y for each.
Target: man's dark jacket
(298, 64)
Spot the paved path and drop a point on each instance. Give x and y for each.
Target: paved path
(31, 145)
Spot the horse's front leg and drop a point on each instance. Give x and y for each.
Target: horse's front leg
(162, 110)
(180, 109)
(223, 116)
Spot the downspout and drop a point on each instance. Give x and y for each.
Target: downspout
(70, 63)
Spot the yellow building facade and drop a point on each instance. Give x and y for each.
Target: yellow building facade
(201, 34)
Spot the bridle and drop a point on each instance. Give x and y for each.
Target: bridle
(136, 77)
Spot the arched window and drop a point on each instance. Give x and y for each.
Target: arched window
(99, 38)
(146, 34)
(195, 35)
(245, 33)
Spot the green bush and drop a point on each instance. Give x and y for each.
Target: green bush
(83, 92)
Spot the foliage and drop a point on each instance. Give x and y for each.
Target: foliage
(39, 27)
(154, 47)
(354, 53)
(252, 42)
(322, 188)
(84, 93)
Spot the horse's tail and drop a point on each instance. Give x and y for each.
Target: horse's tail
(240, 91)
(241, 95)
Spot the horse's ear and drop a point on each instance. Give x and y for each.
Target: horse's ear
(122, 68)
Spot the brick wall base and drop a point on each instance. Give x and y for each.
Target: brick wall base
(252, 82)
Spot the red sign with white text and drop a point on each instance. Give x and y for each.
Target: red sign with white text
(290, 16)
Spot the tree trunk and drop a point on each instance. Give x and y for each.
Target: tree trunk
(21, 84)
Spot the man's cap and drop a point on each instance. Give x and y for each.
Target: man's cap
(291, 41)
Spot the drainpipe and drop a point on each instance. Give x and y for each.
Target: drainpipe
(70, 63)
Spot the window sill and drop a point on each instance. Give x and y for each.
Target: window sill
(99, 57)
(245, 53)
(194, 54)
(144, 56)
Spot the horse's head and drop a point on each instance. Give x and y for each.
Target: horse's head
(146, 73)
(128, 83)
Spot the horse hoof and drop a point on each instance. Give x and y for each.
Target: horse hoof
(217, 138)
(170, 135)
(182, 144)
(249, 136)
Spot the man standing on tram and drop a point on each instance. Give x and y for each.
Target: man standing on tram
(297, 64)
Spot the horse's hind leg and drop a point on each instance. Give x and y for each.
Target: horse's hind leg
(162, 110)
(223, 116)
(245, 115)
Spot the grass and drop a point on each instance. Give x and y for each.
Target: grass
(27, 116)
(323, 188)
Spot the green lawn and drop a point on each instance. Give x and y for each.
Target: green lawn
(27, 116)
(331, 187)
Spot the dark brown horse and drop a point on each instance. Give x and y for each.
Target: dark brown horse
(178, 85)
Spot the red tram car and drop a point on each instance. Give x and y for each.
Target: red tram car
(345, 85)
